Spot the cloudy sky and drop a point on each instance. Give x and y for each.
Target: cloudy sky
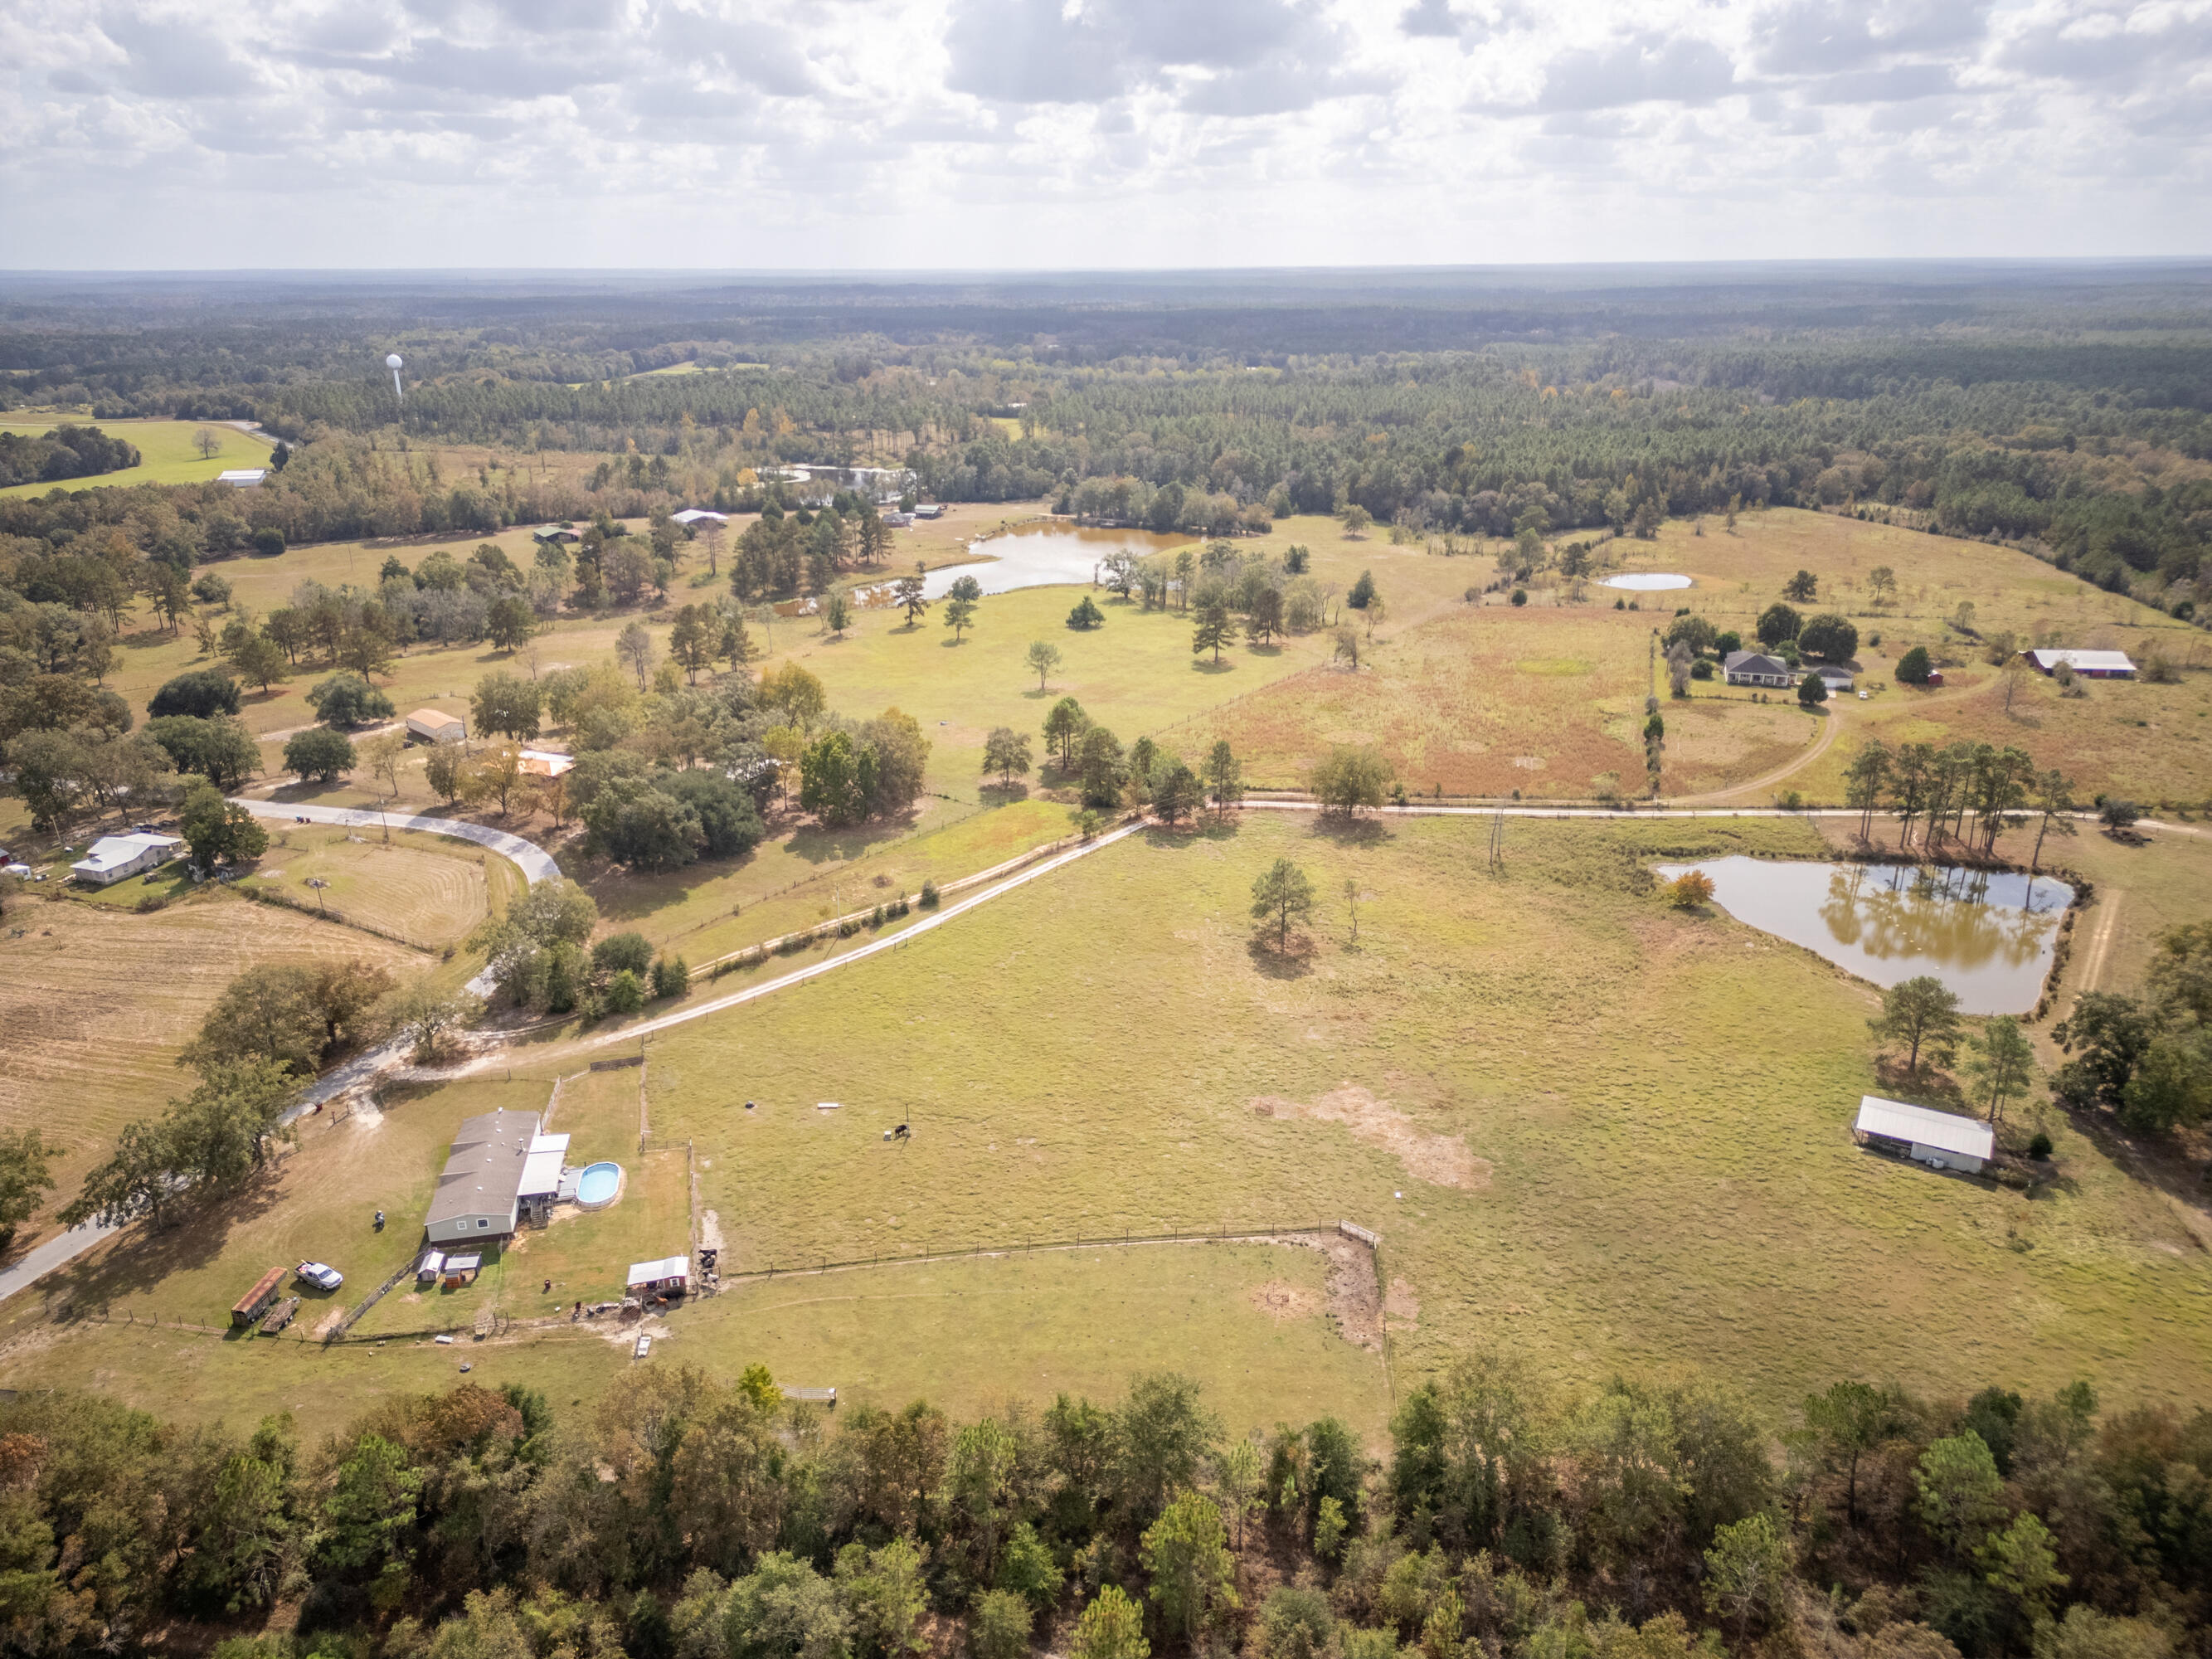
(975, 134)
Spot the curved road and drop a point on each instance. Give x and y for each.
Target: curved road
(537, 865)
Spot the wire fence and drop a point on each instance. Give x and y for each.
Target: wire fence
(344, 1335)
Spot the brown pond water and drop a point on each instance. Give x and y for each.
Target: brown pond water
(1987, 936)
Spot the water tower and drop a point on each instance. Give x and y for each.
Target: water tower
(393, 363)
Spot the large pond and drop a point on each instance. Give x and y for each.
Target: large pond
(1040, 556)
(1646, 581)
(1987, 936)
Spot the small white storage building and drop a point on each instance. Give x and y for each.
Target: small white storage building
(1942, 1141)
(670, 1276)
(243, 477)
(113, 857)
(546, 763)
(436, 726)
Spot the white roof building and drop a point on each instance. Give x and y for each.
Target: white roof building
(1941, 1139)
(656, 1273)
(699, 515)
(546, 763)
(541, 1167)
(242, 477)
(113, 857)
(2098, 665)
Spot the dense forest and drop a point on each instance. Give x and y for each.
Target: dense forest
(689, 1516)
(2068, 408)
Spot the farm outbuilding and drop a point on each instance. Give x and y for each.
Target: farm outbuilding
(2090, 664)
(436, 726)
(670, 1276)
(691, 515)
(552, 535)
(248, 1309)
(112, 857)
(1942, 1140)
(546, 763)
(243, 477)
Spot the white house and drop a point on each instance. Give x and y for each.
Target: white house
(114, 857)
(436, 726)
(1942, 1141)
(479, 1190)
(242, 477)
(2091, 664)
(691, 515)
(1756, 668)
(1837, 680)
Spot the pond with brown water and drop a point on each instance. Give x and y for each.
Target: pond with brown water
(1987, 935)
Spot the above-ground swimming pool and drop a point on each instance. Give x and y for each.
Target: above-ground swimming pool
(1645, 581)
(597, 1186)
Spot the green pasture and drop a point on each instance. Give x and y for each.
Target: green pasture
(166, 448)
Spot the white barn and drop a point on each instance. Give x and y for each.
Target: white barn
(1942, 1141)
(112, 857)
(2091, 664)
(436, 726)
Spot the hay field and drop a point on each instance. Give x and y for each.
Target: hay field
(1491, 699)
(165, 447)
(100, 1001)
(426, 890)
(1621, 1135)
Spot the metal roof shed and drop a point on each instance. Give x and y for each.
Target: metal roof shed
(1942, 1140)
(649, 1275)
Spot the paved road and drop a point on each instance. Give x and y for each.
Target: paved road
(537, 866)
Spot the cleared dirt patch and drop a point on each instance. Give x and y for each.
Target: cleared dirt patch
(1440, 1160)
(1401, 1308)
(1281, 1300)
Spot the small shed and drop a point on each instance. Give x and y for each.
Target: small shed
(670, 1276)
(2090, 664)
(243, 477)
(249, 1308)
(1942, 1141)
(112, 857)
(546, 763)
(436, 726)
(428, 1269)
(462, 1269)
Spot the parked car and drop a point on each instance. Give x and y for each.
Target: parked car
(320, 1274)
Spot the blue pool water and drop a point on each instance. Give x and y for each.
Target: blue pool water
(597, 1185)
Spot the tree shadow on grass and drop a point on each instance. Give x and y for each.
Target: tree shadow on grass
(1292, 963)
(1207, 666)
(139, 1259)
(1263, 650)
(1346, 829)
(1002, 794)
(1199, 827)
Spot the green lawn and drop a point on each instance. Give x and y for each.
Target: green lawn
(1586, 1125)
(166, 448)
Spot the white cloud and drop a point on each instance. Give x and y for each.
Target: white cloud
(814, 133)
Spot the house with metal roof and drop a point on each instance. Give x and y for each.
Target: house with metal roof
(2090, 664)
(479, 1190)
(1942, 1141)
(112, 857)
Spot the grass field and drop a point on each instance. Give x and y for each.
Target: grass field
(1586, 1125)
(100, 1001)
(166, 448)
(426, 890)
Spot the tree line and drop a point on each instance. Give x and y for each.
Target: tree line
(687, 1515)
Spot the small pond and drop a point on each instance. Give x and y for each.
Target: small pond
(1646, 581)
(1042, 554)
(1989, 937)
